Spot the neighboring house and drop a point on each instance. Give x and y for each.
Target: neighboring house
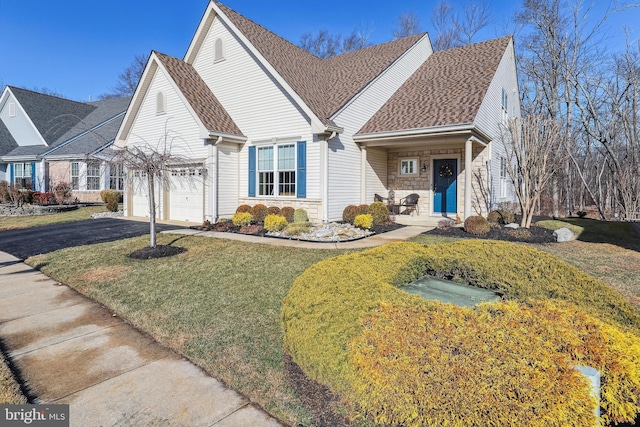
(264, 121)
(46, 140)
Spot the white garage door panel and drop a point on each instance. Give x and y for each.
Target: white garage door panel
(140, 198)
(186, 199)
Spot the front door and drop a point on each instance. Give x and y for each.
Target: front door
(445, 187)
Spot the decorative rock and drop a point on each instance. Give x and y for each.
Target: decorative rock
(107, 214)
(564, 235)
(328, 232)
(512, 225)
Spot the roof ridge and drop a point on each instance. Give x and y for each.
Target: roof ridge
(46, 94)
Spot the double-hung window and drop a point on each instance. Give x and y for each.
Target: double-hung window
(93, 176)
(276, 172)
(75, 175)
(22, 173)
(116, 177)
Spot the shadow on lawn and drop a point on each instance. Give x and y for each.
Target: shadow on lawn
(616, 233)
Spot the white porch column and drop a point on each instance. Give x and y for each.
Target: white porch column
(468, 153)
(324, 156)
(363, 175)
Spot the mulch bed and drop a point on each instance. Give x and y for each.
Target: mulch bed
(258, 230)
(160, 251)
(323, 404)
(538, 234)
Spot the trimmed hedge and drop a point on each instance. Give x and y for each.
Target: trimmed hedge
(378, 212)
(477, 225)
(288, 213)
(348, 326)
(274, 222)
(349, 213)
(501, 216)
(363, 221)
(259, 212)
(241, 219)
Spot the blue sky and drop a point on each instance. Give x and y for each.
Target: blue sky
(78, 48)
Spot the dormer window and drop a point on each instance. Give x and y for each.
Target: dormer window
(161, 104)
(12, 109)
(218, 50)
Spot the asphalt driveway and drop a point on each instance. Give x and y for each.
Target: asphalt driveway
(23, 243)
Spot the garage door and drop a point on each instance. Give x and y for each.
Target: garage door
(186, 195)
(140, 199)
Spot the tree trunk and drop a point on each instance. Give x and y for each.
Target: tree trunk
(152, 209)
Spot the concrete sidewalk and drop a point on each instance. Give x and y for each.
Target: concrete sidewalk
(69, 349)
(369, 242)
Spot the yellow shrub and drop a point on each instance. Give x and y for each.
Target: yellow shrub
(363, 221)
(241, 219)
(275, 222)
(327, 305)
(499, 364)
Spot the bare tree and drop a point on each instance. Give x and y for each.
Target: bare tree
(458, 29)
(149, 167)
(128, 79)
(442, 19)
(531, 144)
(475, 16)
(407, 24)
(323, 44)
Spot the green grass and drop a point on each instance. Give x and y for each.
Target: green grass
(9, 390)
(218, 304)
(15, 222)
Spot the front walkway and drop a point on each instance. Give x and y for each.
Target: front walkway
(69, 349)
(368, 242)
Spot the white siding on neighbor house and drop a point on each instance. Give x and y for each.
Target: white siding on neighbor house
(228, 179)
(20, 125)
(255, 101)
(344, 154)
(491, 120)
(376, 173)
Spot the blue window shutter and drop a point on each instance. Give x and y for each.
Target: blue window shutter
(252, 171)
(301, 173)
(10, 172)
(33, 176)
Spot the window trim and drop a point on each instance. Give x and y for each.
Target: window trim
(410, 161)
(75, 186)
(503, 177)
(277, 183)
(93, 166)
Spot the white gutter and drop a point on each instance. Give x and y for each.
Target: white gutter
(218, 136)
(413, 133)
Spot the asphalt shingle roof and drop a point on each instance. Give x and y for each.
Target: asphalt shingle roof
(51, 115)
(7, 143)
(447, 89)
(325, 85)
(212, 114)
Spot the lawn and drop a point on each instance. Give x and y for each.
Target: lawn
(15, 222)
(218, 304)
(9, 390)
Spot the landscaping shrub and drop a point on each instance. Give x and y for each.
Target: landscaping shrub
(241, 219)
(363, 221)
(528, 379)
(520, 233)
(581, 214)
(288, 213)
(273, 210)
(43, 198)
(446, 224)
(477, 225)
(110, 197)
(274, 222)
(348, 326)
(296, 228)
(363, 209)
(300, 215)
(501, 216)
(243, 208)
(378, 212)
(258, 212)
(62, 192)
(349, 213)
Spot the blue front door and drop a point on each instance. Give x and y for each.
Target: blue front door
(445, 187)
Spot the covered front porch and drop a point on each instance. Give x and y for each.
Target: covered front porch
(448, 170)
